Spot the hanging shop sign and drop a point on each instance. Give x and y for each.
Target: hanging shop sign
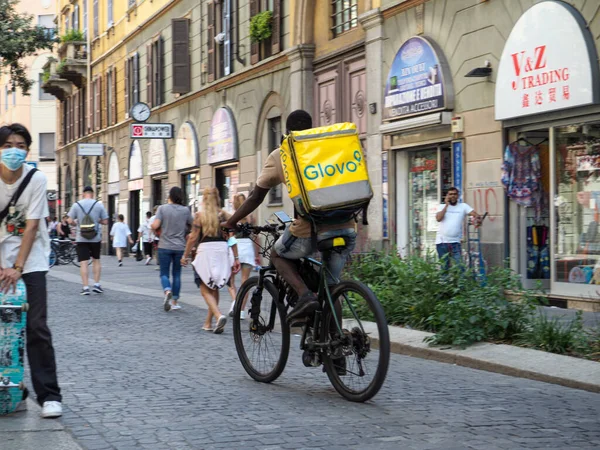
(548, 63)
(222, 139)
(90, 149)
(457, 167)
(135, 161)
(186, 147)
(419, 81)
(157, 157)
(151, 131)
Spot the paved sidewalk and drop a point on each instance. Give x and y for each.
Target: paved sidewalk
(27, 430)
(136, 278)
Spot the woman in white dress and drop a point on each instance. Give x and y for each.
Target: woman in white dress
(120, 234)
(248, 252)
(212, 264)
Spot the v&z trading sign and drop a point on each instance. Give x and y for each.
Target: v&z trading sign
(418, 81)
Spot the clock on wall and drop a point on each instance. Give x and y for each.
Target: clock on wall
(140, 112)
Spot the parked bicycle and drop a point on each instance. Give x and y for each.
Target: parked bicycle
(63, 252)
(348, 334)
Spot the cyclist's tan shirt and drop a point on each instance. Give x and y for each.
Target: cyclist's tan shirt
(272, 176)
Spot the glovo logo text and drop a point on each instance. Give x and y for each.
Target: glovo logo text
(313, 172)
(286, 173)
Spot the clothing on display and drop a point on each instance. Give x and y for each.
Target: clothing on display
(521, 173)
(538, 252)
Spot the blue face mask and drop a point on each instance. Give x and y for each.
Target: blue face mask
(13, 158)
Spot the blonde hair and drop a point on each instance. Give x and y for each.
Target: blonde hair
(238, 200)
(211, 207)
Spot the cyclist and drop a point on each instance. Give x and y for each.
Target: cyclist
(296, 241)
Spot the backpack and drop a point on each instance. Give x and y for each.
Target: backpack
(87, 226)
(325, 174)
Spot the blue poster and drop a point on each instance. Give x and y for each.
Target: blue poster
(457, 166)
(415, 84)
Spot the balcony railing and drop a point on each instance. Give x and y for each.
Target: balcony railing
(53, 83)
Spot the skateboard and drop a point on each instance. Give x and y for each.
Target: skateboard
(13, 320)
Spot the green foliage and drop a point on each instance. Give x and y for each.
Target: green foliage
(555, 336)
(72, 36)
(45, 76)
(61, 66)
(19, 38)
(261, 26)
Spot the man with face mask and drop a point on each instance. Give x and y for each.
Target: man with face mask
(451, 215)
(24, 253)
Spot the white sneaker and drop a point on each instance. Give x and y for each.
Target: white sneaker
(148, 260)
(174, 307)
(243, 315)
(51, 410)
(167, 302)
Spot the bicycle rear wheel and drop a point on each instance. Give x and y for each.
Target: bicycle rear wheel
(358, 365)
(262, 340)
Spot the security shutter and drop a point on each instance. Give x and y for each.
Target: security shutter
(276, 35)
(149, 75)
(211, 42)
(181, 56)
(254, 46)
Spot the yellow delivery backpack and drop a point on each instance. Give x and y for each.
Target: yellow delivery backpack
(326, 174)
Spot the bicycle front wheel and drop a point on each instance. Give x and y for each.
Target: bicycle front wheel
(358, 361)
(262, 340)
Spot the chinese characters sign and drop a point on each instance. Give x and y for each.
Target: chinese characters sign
(546, 63)
(151, 131)
(416, 83)
(222, 140)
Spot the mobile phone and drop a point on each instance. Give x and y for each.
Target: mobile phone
(282, 217)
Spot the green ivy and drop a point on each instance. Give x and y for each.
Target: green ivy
(261, 27)
(61, 66)
(45, 76)
(72, 36)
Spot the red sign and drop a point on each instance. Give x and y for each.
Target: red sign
(137, 131)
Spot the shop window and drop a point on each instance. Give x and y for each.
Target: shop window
(344, 16)
(47, 146)
(577, 203)
(274, 125)
(227, 180)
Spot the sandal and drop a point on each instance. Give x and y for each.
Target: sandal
(207, 329)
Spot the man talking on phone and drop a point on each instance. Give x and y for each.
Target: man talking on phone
(295, 242)
(451, 215)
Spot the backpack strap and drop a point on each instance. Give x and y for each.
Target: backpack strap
(17, 195)
(87, 213)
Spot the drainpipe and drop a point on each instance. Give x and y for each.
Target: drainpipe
(237, 34)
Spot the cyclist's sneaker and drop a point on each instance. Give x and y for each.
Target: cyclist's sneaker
(167, 301)
(243, 315)
(85, 291)
(306, 304)
(98, 289)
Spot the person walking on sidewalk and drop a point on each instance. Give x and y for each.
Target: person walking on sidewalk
(212, 265)
(89, 243)
(173, 220)
(63, 228)
(24, 253)
(451, 215)
(120, 234)
(145, 237)
(248, 253)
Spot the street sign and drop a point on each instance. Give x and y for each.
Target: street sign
(90, 149)
(151, 131)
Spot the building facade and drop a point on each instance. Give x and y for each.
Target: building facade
(36, 111)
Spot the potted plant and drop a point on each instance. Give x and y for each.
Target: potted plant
(72, 36)
(261, 26)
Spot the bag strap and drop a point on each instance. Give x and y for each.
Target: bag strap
(17, 194)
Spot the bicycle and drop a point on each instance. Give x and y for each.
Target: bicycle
(337, 335)
(63, 252)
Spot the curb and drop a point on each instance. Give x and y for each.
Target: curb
(474, 363)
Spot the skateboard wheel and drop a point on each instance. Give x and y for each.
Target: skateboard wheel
(25, 307)
(22, 386)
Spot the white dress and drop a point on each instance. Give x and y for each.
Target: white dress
(120, 231)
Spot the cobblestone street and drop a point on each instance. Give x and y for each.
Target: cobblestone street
(134, 376)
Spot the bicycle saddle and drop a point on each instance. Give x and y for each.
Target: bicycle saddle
(333, 243)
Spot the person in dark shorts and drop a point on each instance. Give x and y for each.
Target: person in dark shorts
(87, 248)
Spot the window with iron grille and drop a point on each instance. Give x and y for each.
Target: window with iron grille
(344, 15)
(274, 138)
(47, 146)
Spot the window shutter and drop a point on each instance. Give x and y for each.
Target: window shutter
(211, 42)
(181, 56)
(82, 111)
(114, 95)
(127, 96)
(149, 75)
(136, 78)
(254, 46)
(91, 110)
(102, 105)
(97, 104)
(77, 115)
(160, 71)
(276, 35)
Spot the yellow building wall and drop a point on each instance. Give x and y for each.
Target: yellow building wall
(324, 41)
